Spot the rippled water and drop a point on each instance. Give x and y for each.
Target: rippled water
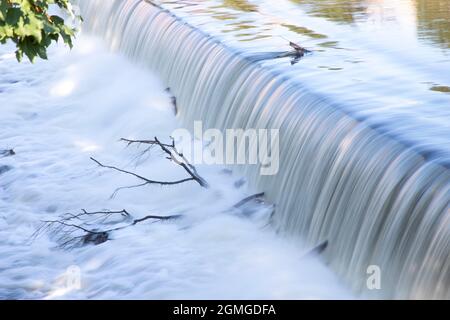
(428, 21)
(387, 61)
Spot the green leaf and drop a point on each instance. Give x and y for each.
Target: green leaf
(19, 55)
(28, 24)
(13, 16)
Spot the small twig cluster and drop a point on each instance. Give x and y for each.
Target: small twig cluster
(172, 154)
(74, 230)
(298, 52)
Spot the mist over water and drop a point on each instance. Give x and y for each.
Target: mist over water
(58, 113)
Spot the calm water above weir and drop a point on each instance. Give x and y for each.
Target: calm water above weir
(388, 61)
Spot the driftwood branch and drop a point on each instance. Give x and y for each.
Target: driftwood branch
(172, 217)
(73, 230)
(299, 49)
(172, 154)
(296, 54)
(146, 181)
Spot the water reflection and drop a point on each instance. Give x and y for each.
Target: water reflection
(344, 11)
(443, 89)
(241, 5)
(221, 11)
(304, 31)
(433, 16)
(370, 43)
(429, 18)
(434, 20)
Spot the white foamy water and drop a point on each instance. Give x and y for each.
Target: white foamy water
(56, 115)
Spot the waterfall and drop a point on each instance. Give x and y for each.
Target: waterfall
(376, 199)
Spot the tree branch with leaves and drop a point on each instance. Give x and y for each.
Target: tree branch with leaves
(32, 28)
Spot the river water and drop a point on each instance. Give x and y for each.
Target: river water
(363, 118)
(58, 113)
(365, 150)
(388, 61)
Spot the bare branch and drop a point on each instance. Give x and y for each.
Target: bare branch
(50, 222)
(83, 228)
(69, 234)
(151, 142)
(173, 154)
(146, 181)
(156, 217)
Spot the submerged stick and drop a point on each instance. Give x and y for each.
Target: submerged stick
(317, 250)
(7, 153)
(244, 201)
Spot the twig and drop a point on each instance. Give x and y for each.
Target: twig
(146, 181)
(156, 217)
(151, 142)
(172, 153)
(298, 48)
(70, 234)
